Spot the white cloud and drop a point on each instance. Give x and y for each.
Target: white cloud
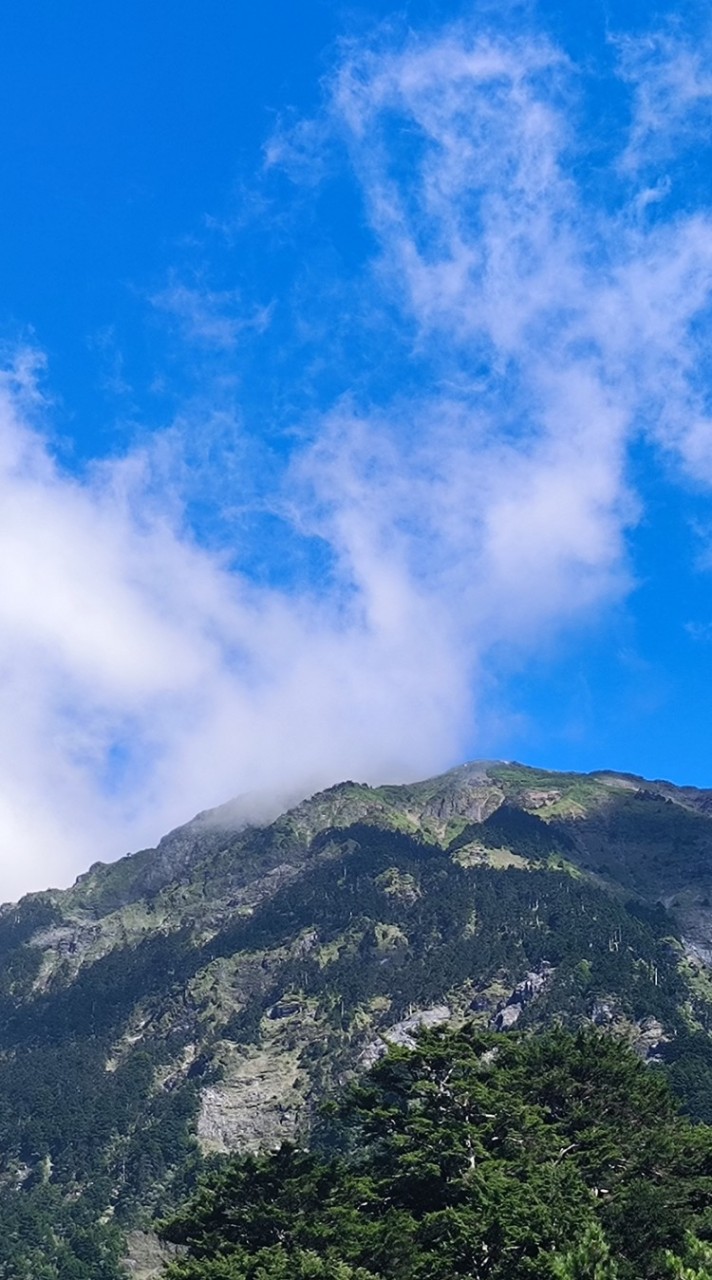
(669, 73)
(212, 319)
(144, 679)
(594, 326)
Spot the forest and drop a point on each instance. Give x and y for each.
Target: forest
(98, 1126)
(555, 1156)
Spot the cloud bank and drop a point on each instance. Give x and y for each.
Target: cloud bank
(554, 322)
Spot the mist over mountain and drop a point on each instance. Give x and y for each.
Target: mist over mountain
(369, 427)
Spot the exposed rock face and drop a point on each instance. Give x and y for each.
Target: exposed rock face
(528, 989)
(404, 1033)
(540, 799)
(507, 1017)
(257, 1105)
(652, 1035)
(603, 1013)
(146, 1255)
(470, 795)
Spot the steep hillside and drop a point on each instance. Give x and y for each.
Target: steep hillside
(205, 995)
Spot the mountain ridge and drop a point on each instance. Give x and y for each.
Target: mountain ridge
(206, 995)
(469, 791)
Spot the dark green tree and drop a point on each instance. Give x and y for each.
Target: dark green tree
(548, 1157)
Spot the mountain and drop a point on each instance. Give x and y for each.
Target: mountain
(206, 995)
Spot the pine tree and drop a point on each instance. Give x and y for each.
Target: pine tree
(589, 1260)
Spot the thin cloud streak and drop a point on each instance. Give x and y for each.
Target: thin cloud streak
(672, 94)
(212, 319)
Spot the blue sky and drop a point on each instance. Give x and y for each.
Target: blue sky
(355, 415)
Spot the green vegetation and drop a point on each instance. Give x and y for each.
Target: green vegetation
(503, 895)
(524, 918)
(78, 1140)
(46, 1238)
(478, 1156)
(516, 829)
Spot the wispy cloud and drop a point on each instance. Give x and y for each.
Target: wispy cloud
(210, 318)
(567, 329)
(671, 81)
(471, 515)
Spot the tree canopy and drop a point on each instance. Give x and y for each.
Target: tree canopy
(555, 1156)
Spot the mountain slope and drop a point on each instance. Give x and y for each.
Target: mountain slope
(217, 987)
